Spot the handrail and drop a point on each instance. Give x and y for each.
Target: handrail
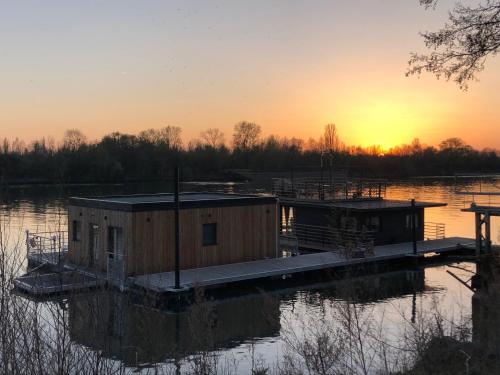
(324, 190)
(46, 242)
(330, 238)
(434, 231)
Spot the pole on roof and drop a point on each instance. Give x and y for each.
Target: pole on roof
(177, 229)
(414, 226)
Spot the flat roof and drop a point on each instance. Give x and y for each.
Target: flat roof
(374, 204)
(165, 201)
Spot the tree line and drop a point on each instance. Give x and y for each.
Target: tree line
(151, 154)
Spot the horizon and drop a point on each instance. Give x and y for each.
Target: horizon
(128, 66)
(228, 142)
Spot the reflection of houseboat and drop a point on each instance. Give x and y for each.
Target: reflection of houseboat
(111, 323)
(118, 328)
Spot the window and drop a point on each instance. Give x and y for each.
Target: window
(210, 234)
(94, 243)
(408, 220)
(77, 230)
(115, 241)
(373, 223)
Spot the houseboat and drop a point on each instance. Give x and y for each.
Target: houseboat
(328, 216)
(125, 236)
(131, 242)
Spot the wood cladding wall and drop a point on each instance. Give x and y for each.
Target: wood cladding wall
(79, 251)
(244, 233)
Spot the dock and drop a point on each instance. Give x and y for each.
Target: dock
(278, 267)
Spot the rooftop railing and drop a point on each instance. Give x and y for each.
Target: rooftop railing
(307, 189)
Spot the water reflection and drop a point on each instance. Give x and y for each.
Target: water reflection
(486, 306)
(111, 323)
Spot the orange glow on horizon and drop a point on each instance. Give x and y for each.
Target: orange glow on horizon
(383, 123)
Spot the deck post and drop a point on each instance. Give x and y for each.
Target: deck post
(487, 233)
(413, 227)
(177, 229)
(478, 233)
(27, 242)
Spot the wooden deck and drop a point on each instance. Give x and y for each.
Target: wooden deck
(236, 272)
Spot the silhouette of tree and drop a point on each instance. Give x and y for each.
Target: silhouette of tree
(212, 137)
(331, 138)
(460, 48)
(246, 135)
(169, 136)
(454, 143)
(74, 139)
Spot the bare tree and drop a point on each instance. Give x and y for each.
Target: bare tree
(169, 136)
(74, 139)
(213, 137)
(331, 138)
(246, 135)
(459, 50)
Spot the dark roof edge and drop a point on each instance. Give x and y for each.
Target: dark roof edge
(332, 204)
(161, 206)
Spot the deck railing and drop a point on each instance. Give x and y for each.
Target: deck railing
(46, 246)
(330, 239)
(320, 190)
(434, 231)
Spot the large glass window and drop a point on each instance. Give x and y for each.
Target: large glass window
(373, 223)
(94, 243)
(408, 220)
(210, 234)
(115, 241)
(77, 230)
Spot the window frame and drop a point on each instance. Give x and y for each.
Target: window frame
(204, 240)
(76, 227)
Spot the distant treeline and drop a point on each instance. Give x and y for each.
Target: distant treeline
(151, 154)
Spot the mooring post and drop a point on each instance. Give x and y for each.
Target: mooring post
(479, 233)
(487, 233)
(413, 226)
(27, 242)
(177, 229)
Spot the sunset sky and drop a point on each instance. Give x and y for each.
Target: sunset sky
(290, 66)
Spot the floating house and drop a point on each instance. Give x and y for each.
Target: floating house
(326, 216)
(134, 235)
(130, 241)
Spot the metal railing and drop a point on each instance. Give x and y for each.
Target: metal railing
(348, 241)
(320, 190)
(434, 231)
(46, 242)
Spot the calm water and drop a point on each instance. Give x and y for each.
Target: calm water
(253, 327)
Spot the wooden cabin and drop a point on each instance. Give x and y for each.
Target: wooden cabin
(134, 235)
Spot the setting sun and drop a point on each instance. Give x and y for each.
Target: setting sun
(384, 123)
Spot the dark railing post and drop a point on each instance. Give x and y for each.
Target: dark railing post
(413, 227)
(177, 229)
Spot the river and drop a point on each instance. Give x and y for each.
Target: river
(261, 329)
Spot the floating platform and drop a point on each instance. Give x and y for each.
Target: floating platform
(60, 282)
(163, 283)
